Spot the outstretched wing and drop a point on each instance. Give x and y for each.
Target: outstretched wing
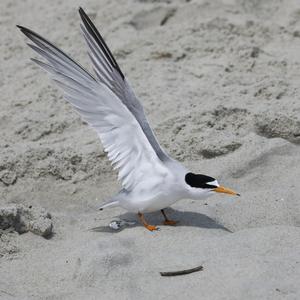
(100, 106)
(109, 73)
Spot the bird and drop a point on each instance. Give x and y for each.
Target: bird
(151, 180)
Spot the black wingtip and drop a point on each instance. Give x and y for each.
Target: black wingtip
(91, 28)
(82, 13)
(84, 16)
(22, 28)
(44, 44)
(26, 31)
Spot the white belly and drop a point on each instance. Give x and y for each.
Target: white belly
(142, 204)
(154, 194)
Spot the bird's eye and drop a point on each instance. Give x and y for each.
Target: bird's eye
(199, 181)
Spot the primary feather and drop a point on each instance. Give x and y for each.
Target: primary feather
(109, 73)
(107, 104)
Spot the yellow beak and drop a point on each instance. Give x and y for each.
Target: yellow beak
(222, 189)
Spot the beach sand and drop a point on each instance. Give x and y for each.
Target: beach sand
(220, 83)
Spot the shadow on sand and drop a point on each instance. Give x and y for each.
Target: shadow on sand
(184, 218)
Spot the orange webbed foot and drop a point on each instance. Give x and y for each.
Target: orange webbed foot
(149, 227)
(170, 222)
(152, 227)
(167, 221)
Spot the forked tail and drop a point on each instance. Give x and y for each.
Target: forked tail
(109, 204)
(114, 201)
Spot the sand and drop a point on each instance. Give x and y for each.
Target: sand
(220, 83)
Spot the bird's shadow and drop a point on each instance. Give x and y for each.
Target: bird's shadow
(184, 218)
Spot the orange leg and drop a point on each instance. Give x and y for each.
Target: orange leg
(167, 221)
(149, 227)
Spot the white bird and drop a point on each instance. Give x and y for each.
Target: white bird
(151, 180)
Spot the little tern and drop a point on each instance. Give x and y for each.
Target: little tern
(151, 180)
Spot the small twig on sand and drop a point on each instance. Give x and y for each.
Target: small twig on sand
(182, 272)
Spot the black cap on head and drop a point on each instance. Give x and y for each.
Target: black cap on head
(199, 181)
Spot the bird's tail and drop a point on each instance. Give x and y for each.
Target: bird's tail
(115, 200)
(110, 203)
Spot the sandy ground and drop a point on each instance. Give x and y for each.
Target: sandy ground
(220, 82)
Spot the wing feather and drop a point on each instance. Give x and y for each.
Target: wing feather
(109, 73)
(123, 138)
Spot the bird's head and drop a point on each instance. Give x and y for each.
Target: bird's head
(202, 185)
